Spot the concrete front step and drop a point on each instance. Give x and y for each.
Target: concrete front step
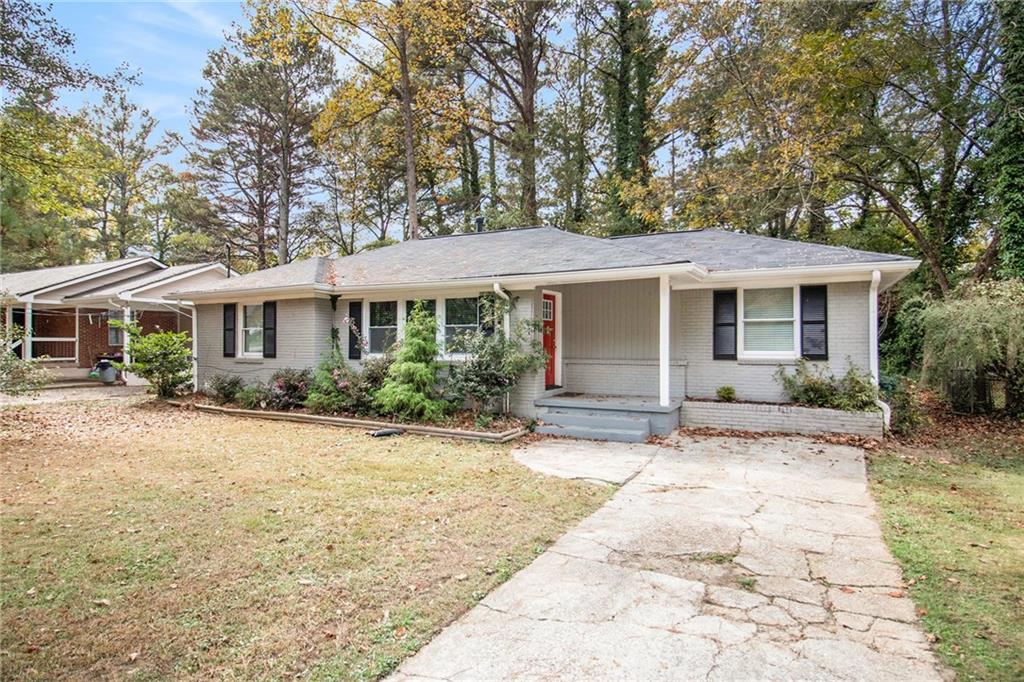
(564, 417)
(591, 433)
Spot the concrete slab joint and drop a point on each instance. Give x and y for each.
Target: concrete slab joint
(717, 559)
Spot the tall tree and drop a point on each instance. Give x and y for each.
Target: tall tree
(508, 49)
(1008, 155)
(128, 177)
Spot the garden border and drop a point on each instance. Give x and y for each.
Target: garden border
(419, 429)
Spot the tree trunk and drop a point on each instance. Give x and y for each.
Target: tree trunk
(408, 135)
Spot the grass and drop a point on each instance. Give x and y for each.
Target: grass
(953, 515)
(145, 542)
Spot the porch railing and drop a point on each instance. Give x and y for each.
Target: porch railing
(53, 348)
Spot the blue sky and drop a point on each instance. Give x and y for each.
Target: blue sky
(165, 42)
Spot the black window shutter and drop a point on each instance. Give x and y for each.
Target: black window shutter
(229, 330)
(724, 325)
(355, 316)
(814, 322)
(270, 329)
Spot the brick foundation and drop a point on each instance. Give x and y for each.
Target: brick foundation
(784, 418)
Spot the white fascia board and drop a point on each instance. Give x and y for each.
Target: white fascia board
(258, 294)
(812, 274)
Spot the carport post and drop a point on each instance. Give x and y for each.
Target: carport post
(664, 340)
(28, 331)
(126, 349)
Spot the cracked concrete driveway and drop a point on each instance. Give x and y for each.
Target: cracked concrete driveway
(718, 559)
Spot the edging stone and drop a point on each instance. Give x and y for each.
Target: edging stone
(780, 418)
(419, 429)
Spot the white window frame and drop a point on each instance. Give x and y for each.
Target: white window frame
(442, 337)
(399, 321)
(240, 323)
(742, 353)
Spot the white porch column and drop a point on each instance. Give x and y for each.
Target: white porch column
(28, 331)
(195, 347)
(664, 338)
(126, 347)
(876, 277)
(76, 335)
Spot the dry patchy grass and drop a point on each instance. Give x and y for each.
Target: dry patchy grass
(147, 542)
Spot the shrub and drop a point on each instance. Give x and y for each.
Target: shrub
(978, 331)
(726, 394)
(410, 389)
(254, 396)
(337, 387)
(495, 362)
(18, 376)
(289, 388)
(907, 411)
(224, 388)
(164, 359)
(816, 387)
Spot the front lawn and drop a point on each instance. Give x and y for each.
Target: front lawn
(147, 542)
(952, 506)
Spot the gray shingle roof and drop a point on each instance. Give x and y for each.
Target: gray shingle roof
(724, 250)
(20, 283)
(131, 283)
(543, 250)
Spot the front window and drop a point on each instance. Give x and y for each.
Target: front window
(461, 315)
(768, 321)
(252, 329)
(383, 326)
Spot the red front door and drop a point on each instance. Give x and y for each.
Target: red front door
(548, 318)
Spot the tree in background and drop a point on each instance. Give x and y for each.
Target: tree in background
(1008, 155)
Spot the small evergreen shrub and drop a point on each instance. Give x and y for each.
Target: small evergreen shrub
(289, 388)
(410, 389)
(254, 396)
(17, 376)
(338, 388)
(224, 388)
(817, 387)
(726, 394)
(164, 359)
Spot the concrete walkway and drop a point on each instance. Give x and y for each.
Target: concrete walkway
(718, 559)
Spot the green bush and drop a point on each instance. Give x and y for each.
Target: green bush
(726, 394)
(289, 388)
(976, 332)
(817, 387)
(164, 359)
(410, 389)
(254, 396)
(17, 376)
(904, 400)
(224, 388)
(495, 362)
(338, 388)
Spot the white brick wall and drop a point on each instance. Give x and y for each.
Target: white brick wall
(785, 418)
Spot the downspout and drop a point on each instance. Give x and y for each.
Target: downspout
(876, 278)
(507, 324)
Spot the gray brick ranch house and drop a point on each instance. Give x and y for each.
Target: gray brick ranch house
(640, 330)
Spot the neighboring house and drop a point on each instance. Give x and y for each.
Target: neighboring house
(65, 310)
(649, 320)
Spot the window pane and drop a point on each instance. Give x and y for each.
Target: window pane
(253, 341)
(382, 338)
(725, 340)
(759, 304)
(430, 305)
(460, 311)
(253, 316)
(455, 335)
(768, 336)
(814, 339)
(384, 313)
